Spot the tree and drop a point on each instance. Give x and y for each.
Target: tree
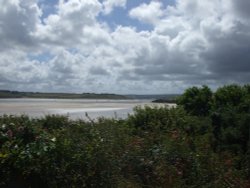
(230, 117)
(196, 101)
(229, 96)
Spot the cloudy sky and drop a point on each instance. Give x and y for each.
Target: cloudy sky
(123, 46)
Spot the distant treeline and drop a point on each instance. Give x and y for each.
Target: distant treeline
(155, 97)
(171, 98)
(17, 94)
(167, 98)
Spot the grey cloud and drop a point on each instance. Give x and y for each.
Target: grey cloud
(162, 61)
(98, 71)
(229, 53)
(17, 22)
(65, 66)
(242, 7)
(197, 54)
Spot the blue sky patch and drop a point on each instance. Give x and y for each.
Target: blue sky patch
(42, 57)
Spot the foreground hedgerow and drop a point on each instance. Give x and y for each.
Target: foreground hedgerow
(154, 147)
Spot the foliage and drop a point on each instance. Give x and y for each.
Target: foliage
(153, 147)
(196, 100)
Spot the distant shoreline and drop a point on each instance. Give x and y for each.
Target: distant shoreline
(4, 94)
(17, 94)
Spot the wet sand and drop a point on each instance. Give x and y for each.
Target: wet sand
(75, 108)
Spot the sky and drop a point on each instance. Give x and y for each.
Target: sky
(123, 46)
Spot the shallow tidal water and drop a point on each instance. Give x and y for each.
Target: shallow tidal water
(74, 108)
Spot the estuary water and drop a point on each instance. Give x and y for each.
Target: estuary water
(74, 108)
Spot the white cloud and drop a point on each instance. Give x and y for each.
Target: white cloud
(66, 27)
(149, 13)
(109, 5)
(19, 73)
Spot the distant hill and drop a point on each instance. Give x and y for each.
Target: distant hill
(17, 94)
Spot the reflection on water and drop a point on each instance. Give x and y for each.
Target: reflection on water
(74, 108)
